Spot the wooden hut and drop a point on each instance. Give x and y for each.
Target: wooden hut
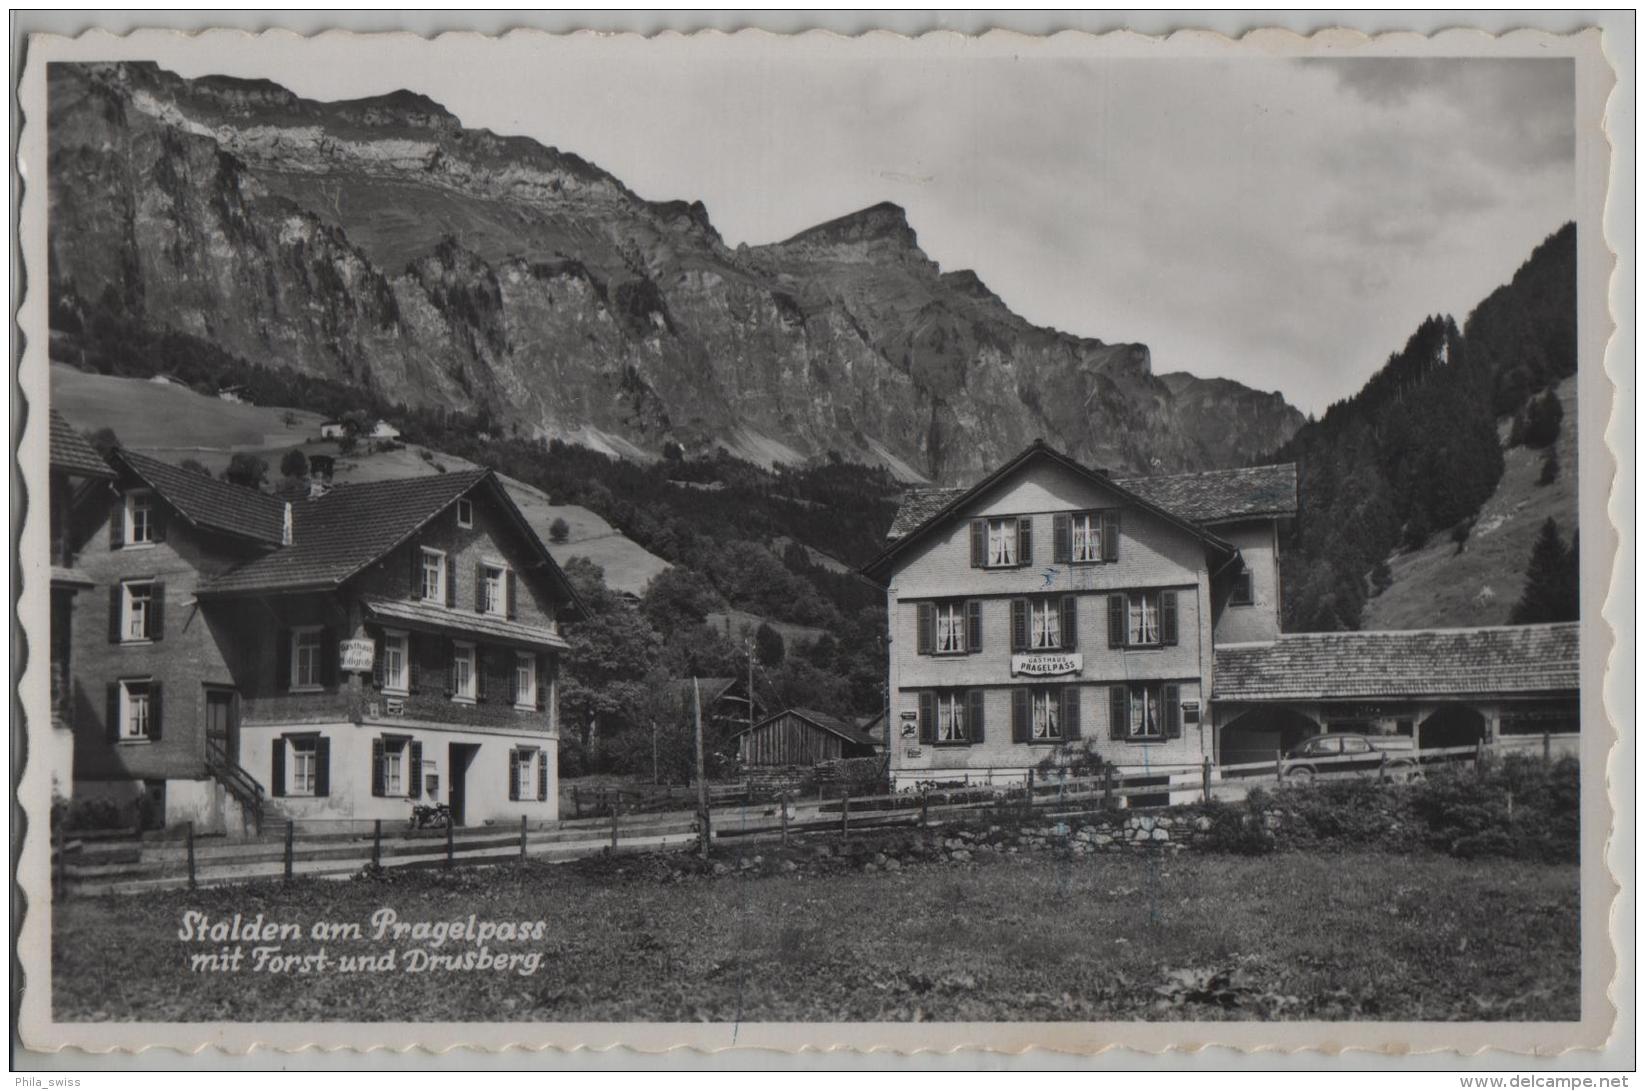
(801, 736)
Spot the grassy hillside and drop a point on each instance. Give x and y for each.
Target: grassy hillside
(173, 422)
(1437, 586)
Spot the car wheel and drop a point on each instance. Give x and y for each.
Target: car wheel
(1303, 776)
(1407, 772)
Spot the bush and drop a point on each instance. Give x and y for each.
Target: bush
(1519, 807)
(559, 530)
(1078, 758)
(1241, 829)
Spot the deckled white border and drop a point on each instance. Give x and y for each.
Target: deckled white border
(1596, 444)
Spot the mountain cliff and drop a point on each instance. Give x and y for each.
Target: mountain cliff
(380, 243)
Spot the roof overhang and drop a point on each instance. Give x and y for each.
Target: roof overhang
(460, 623)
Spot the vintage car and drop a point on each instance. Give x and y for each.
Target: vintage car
(1391, 756)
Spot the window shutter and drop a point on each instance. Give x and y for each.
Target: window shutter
(451, 580)
(415, 788)
(113, 709)
(542, 776)
(1173, 711)
(379, 642)
(414, 666)
(513, 775)
(479, 589)
(377, 788)
(117, 611)
(542, 687)
(928, 718)
(451, 666)
(1062, 538)
(1168, 617)
(508, 591)
(157, 717)
(974, 725)
(481, 661)
(322, 766)
(328, 656)
(1025, 541)
(117, 524)
(1118, 713)
(157, 519)
(282, 659)
(511, 664)
(1111, 535)
(1070, 623)
(1116, 621)
(979, 543)
(1019, 625)
(1019, 714)
(927, 626)
(416, 571)
(973, 626)
(1070, 712)
(278, 774)
(157, 610)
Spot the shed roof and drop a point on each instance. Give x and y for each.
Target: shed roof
(207, 502)
(1215, 496)
(72, 454)
(1509, 659)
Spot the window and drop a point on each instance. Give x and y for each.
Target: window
(949, 628)
(1242, 595)
(465, 512)
(1044, 624)
(462, 672)
(1143, 625)
(1002, 543)
(496, 590)
(525, 680)
(304, 766)
(434, 575)
(1145, 713)
(136, 711)
(950, 717)
(1045, 704)
(137, 612)
(1085, 533)
(394, 767)
(396, 662)
(522, 774)
(139, 518)
(306, 650)
(949, 635)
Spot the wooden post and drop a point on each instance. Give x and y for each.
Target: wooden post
(925, 803)
(1279, 766)
(845, 816)
(377, 843)
(614, 806)
(577, 800)
(451, 843)
(291, 832)
(522, 837)
(59, 859)
(1479, 757)
(1030, 789)
(655, 778)
(1205, 776)
(191, 855)
(1547, 747)
(1107, 787)
(702, 781)
(1382, 768)
(782, 801)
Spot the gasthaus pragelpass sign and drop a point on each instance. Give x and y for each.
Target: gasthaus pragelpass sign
(1047, 665)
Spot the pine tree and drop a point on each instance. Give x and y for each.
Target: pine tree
(1551, 583)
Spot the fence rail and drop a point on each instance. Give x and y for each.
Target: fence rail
(85, 862)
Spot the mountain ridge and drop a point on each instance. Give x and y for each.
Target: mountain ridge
(379, 242)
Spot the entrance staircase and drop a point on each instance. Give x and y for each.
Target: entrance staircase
(241, 786)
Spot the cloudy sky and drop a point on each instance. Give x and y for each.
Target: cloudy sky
(1283, 223)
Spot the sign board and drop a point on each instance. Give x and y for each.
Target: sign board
(912, 751)
(910, 716)
(1047, 665)
(394, 706)
(355, 655)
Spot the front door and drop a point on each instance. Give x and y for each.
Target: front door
(222, 723)
(460, 755)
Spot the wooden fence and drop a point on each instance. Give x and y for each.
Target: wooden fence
(91, 864)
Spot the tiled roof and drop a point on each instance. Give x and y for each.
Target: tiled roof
(207, 502)
(447, 619)
(1510, 659)
(71, 453)
(917, 506)
(1216, 495)
(335, 535)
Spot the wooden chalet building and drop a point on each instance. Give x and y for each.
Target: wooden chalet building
(342, 656)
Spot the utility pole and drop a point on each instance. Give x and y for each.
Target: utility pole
(702, 783)
(654, 779)
(751, 687)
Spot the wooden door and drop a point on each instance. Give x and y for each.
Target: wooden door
(222, 723)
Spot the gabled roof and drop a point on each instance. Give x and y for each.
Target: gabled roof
(338, 534)
(822, 720)
(947, 504)
(72, 454)
(209, 503)
(1510, 659)
(1216, 496)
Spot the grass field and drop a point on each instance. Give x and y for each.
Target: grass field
(1294, 936)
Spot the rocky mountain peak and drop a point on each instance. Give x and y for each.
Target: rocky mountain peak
(884, 222)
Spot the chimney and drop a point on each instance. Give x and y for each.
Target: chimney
(285, 527)
(317, 487)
